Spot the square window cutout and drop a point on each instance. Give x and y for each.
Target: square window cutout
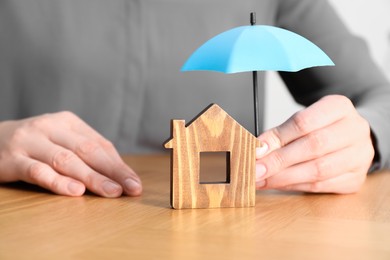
(214, 168)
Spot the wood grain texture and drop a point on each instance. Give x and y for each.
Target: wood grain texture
(212, 131)
(283, 225)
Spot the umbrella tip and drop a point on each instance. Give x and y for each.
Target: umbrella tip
(253, 18)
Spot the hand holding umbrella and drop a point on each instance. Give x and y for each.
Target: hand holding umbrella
(338, 164)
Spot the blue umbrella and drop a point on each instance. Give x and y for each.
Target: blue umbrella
(256, 48)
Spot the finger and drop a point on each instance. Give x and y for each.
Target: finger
(71, 123)
(343, 184)
(69, 164)
(314, 145)
(321, 169)
(326, 111)
(41, 174)
(100, 155)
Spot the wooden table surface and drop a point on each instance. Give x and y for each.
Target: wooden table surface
(35, 224)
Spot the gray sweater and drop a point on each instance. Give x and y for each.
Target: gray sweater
(117, 63)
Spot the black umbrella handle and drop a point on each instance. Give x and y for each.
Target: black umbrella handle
(256, 103)
(255, 88)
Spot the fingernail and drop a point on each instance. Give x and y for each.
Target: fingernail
(260, 172)
(133, 187)
(110, 187)
(76, 188)
(260, 151)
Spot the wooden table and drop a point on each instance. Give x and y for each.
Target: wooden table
(35, 224)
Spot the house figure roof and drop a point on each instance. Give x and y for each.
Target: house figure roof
(215, 124)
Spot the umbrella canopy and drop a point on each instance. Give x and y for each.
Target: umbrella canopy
(257, 48)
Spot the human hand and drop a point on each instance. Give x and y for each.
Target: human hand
(326, 147)
(61, 153)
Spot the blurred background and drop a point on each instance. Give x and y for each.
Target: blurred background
(367, 19)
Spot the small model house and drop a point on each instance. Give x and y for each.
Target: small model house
(212, 131)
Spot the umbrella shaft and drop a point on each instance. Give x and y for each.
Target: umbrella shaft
(256, 103)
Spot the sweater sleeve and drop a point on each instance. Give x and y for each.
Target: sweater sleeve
(355, 74)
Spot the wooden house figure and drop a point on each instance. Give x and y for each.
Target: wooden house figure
(213, 130)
